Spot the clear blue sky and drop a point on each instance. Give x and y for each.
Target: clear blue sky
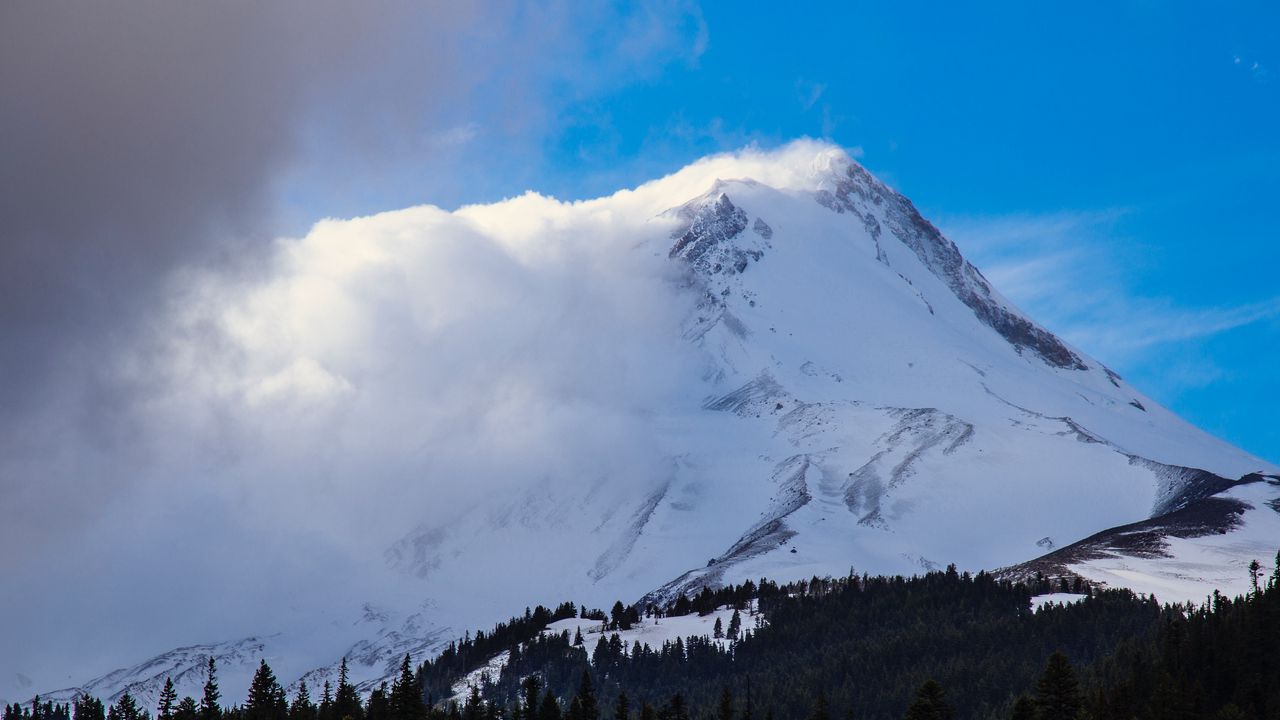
(1115, 169)
(1129, 154)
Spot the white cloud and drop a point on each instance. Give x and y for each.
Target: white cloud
(1065, 270)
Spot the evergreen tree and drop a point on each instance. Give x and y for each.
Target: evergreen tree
(187, 709)
(725, 710)
(930, 703)
(532, 687)
(406, 699)
(210, 709)
(126, 708)
(346, 701)
(735, 624)
(379, 705)
(168, 701)
(550, 708)
(820, 710)
(577, 637)
(622, 709)
(474, 707)
(266, 697)
(1058, 692)
(325, 710)
(718, 631)
(588, 707)
(84, 707)
(646, 712)
(1023, 709)
(302, 708)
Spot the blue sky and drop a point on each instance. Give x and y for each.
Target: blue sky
(1114, 169)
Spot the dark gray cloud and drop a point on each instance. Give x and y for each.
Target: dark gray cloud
(142, 139)
(135, 138)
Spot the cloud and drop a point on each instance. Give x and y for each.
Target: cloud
(159, 424)
(147, 139)
(373, 375)
(1065, 269)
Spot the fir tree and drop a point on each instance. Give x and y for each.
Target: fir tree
(820, 710)
(84, 707)
(187, 709)
(588, 707)
(168, 701)
(725, 710)
(532, 688)
(406, 699)
(346, 701)
(266, 697)
(622, 709)
(1058, 692)
(1023, 709)
(210, 709)
(325, 710)
(379, 705)
(717, 632)
(735, 624)
(126, 708)
(930, 703)
(302, 708)
(550, 708)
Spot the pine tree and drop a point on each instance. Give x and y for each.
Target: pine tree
(1023, 709)
(126, 708)
(186, 709)
(379, 705)
(820, 710)
(577, 637)
(549, 709)
(168, 700)
(266, 697)
(588, 708)
(84, 707)
(346, 701)
(532, 687)
(325, 710)
(209, 707)
(406, 698)
(622, 709)
(735, 624)
(717, 631)
(725, 711)
(1058, 692)
(930, 703)
(302, 708)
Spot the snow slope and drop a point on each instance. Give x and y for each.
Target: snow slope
(862, 398)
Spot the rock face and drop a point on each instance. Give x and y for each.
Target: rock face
(864, 400)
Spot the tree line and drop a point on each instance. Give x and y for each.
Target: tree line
(938, 646)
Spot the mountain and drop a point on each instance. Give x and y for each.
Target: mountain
(861, 398)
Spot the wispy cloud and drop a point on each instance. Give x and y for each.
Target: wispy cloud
(1068, 270)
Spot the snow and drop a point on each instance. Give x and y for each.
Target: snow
(650, 631)
(1059, 598)
(846, 410)
(1195, 567)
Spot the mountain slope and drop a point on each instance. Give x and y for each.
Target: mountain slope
(859, 397)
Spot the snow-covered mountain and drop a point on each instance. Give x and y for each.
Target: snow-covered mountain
(862, 398)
